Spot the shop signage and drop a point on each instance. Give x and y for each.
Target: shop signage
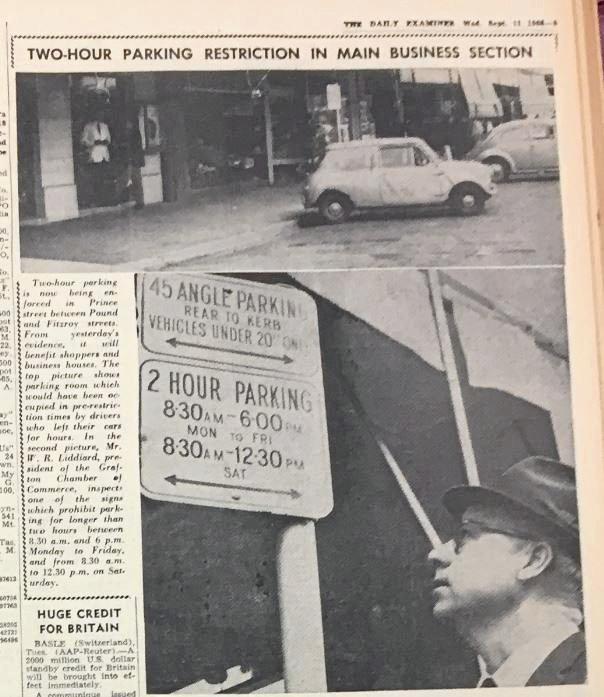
(334, 96)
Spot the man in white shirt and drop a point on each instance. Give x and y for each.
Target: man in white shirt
(96, 138)
(510, 579)
(98, 186)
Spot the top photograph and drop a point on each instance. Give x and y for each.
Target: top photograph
(289, 170)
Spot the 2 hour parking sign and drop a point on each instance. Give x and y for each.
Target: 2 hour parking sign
(224, 422)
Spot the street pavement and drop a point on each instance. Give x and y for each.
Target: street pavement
(255, 227)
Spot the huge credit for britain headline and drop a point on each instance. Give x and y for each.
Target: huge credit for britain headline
(283, 53)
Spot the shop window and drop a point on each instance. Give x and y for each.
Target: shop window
(148, 122)
(549, 83)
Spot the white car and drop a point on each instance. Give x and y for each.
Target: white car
(394, 172)
(527, 146)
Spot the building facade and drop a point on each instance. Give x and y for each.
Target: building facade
(200, 129)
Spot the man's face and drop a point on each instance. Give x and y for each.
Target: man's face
(476, 572)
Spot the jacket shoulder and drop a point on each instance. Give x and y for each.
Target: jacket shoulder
(565, 665)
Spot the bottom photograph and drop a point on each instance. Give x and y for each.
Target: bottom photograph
(358, 480)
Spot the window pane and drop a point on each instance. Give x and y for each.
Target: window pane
(542, 131)
(398, 157)
(348, 160)
(420, 157)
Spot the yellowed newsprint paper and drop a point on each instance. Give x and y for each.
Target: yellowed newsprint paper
(299, 359)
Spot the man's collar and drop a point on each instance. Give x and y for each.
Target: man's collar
(518, 668)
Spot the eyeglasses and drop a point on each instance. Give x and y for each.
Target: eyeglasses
(471, 530)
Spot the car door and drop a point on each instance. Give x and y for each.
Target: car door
(409, 177)
(544, 148)
(359, 177)
(515, 141)
(351, 170)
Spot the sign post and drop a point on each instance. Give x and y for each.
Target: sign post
(334, 103)
(301, 622)
(233, 416)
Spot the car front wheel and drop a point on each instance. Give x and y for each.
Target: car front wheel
(335, 208)
(468, 199)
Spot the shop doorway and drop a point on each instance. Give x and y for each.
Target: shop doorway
(100, 107)
(509, 96)
(225, 131)
(384, 88)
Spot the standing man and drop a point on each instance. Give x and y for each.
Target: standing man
(510, 579)
(136, 161)
(96, 139)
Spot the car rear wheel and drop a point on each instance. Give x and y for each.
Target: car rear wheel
(468, 199)
(335, 207)
(500, 169)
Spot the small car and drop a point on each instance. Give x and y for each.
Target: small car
(393, 172)
(527, 146)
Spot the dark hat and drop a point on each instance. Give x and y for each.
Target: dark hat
(542, 488)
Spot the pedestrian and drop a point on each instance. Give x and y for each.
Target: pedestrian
(477, 132)
(136, 160)
(96, 139)
(324, 134)
(510, 579)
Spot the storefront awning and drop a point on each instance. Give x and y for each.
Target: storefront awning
(480, 94)
(433, 76)
(534, 95)
(97, 83)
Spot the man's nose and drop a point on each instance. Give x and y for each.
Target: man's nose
(442, 553)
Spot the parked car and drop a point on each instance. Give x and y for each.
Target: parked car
(393, 172)
(528, 146)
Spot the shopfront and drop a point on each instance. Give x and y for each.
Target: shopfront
(224, 126)
(100, 108)
(270, 124)
(436, 109)
(242, 125)
(75, 144)
(198, 129)
(454, 107)
(201, 129)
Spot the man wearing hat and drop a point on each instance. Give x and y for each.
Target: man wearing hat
(510, 579)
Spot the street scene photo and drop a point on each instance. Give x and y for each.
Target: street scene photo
(210, 170)
(360, 480)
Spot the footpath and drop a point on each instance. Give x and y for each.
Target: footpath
(215, 221)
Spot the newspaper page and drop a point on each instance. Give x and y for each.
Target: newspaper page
(298, 353)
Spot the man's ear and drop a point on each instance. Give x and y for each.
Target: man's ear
(539, 556)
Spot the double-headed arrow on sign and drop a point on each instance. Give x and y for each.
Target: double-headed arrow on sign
(174, 480)
(174, 342)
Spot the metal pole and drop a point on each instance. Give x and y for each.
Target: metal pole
(355, 113)
(339, 125)
(412, 500)
(300, 609)
(459, 409)
(268, 130)
(409, 494)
